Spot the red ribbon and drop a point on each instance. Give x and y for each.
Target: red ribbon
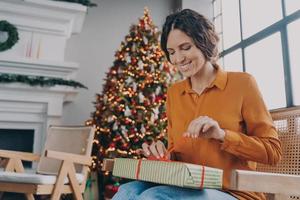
(202, 177)
(137, 174)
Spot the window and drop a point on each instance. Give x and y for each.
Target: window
(264, 61)
(230, 15)
(292, 6)
(218, 21)
(233, 61)
(255, 15)
(262, 38)
(294, 44)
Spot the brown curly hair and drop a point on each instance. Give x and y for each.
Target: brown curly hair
(196, 26)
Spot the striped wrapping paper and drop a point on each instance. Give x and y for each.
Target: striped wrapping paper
(170, 173)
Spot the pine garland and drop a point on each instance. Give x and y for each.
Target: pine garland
(38, 80)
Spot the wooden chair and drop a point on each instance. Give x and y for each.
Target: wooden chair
(283, 180)
(62, 168)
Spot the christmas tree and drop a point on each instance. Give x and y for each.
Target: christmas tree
(131, 109)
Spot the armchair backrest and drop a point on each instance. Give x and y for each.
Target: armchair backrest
(287, 122)
(68, 139)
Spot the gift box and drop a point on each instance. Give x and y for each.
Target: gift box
(169, 172)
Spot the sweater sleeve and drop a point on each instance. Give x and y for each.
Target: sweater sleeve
(169, 130)
(260, 143)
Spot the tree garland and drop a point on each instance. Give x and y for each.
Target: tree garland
(83, 2)
(13, 35)
(38, 80)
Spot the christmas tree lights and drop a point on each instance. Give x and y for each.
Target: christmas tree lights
(131, 108)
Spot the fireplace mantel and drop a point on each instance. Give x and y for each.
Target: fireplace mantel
(35, 67)
(44, 26)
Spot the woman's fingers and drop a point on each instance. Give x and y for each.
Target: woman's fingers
(161, 149)
(200, 127)
(195, 127)
(190, 130)
(146, 150)
(207, 126)
(156, 149)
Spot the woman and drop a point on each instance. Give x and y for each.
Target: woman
(215, 118)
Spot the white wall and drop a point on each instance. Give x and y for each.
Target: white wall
(204, 7)
(94, 48)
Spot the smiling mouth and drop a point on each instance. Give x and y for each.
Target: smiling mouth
(185, 66)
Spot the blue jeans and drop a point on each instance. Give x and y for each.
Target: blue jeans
(139, 190)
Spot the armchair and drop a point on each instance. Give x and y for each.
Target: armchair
(282, 181)
(62, 168)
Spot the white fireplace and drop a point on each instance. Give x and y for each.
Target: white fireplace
(44, 26)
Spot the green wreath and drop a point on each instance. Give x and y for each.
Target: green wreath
(13, 35)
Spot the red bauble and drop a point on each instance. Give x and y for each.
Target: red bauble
(110, 191)
(158, 99)
(112, 145)
(133, 111)
(132, 130)
(142, 23)
(133, 103)
(146, 103)
(133, 60)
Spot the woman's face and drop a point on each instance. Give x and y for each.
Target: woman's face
(184, 54)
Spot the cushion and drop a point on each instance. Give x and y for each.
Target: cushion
(33, 178)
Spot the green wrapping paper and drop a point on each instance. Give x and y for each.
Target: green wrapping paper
(170, 173)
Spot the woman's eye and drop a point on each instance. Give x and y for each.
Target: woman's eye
(171, 53)
(186, 47)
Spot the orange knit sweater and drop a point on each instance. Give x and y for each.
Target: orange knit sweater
(234, 101)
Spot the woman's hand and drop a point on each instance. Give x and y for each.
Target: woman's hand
(156, 149)
(206, 127)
